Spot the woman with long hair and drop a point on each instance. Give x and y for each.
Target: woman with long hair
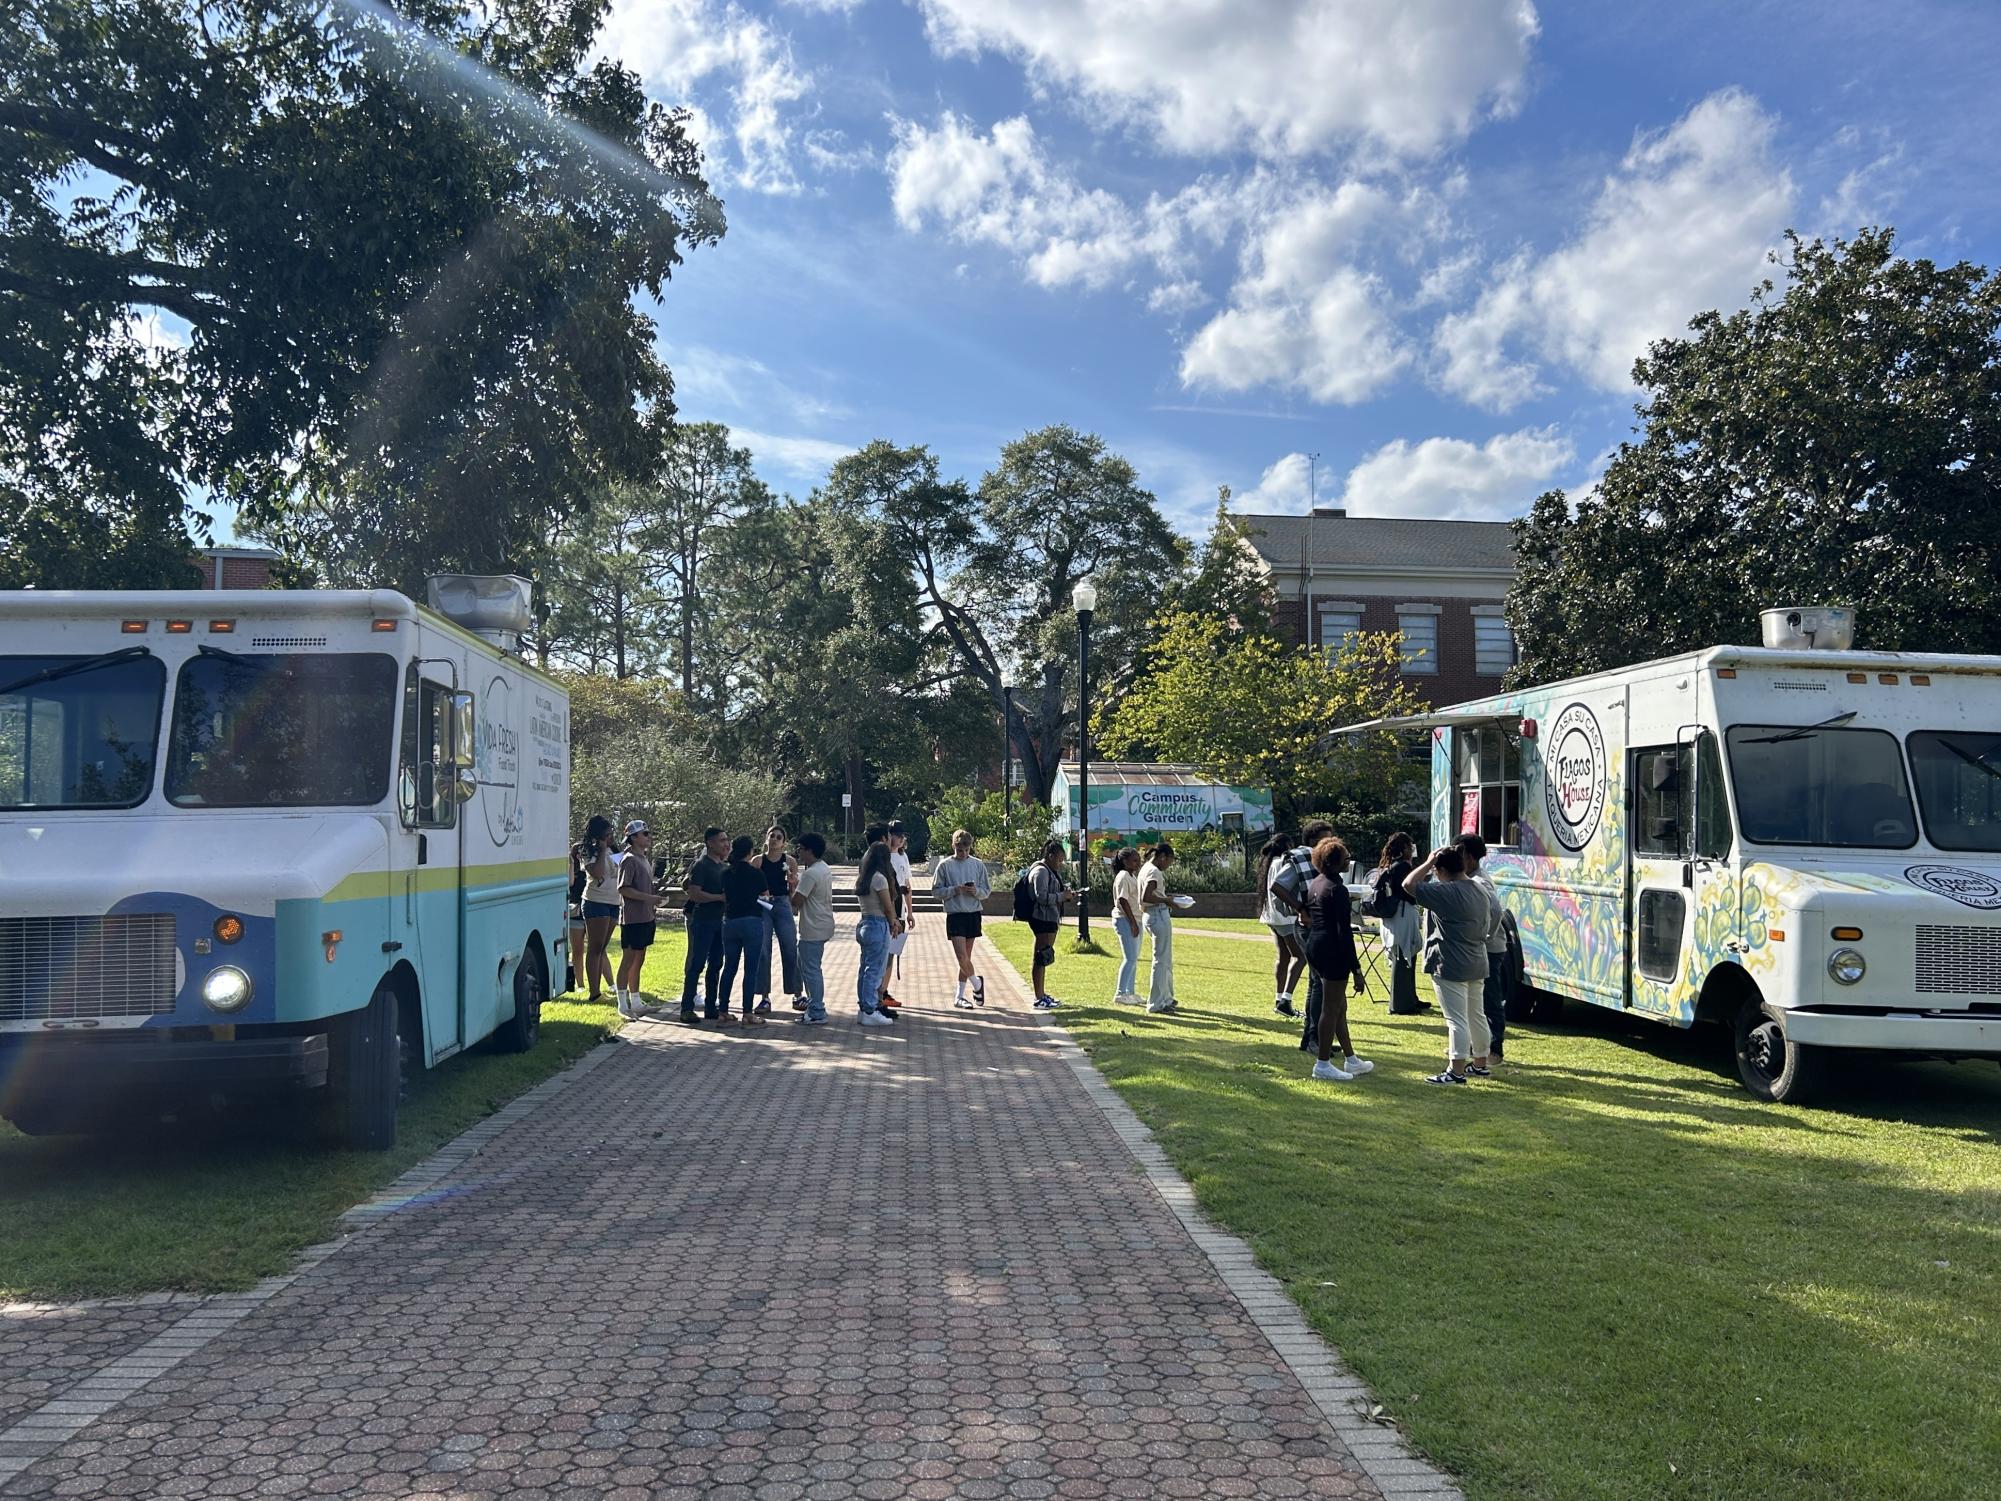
(744, 925)
(1128, 922)
(1282, 919)
(1402, 928)
(1330, 949)
(881, 919)
(781, 876)
(592, 860)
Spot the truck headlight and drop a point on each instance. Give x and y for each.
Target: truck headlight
(1846, 966)
(227, 988)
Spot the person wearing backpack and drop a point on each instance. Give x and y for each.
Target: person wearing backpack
(1282, 919)
(1039, 895)
(1401, 924)
(1289, 881)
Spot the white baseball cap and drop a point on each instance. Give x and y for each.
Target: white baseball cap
(637, 826)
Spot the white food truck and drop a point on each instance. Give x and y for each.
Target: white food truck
(1799, 841)
(262, 841)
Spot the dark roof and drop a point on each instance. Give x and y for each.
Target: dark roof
(1382, 542)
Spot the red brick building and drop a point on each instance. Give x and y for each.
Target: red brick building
(235, 567)
(1441, 583)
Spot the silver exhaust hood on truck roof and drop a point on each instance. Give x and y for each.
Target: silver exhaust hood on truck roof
(497, 607)
(1808, 627)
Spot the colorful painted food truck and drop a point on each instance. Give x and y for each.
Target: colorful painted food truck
(270, 841)
(1800, 841)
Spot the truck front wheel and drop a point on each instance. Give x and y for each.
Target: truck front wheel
(365, 1074)
(521, 1031)
(1771, 1066)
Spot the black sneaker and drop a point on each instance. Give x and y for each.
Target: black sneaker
(1284, 1007)
(690, 1016)
(1478, 1072)
(1448, 1077)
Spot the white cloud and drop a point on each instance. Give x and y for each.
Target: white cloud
(830, 151)
(802, 462)
(1682, 226)
(1279, 79)
(1001, 189)
(714, 384)
(1337, 344)
(1285, 487)
(678, 46)
(1451, 478)
(833, 7)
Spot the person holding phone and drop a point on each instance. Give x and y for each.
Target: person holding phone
(1045, 884)
(962, 883)
(595, 859)
(1128, 922)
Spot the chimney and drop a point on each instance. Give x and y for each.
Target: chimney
(1335, 511)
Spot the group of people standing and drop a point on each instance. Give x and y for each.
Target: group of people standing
(1309, 910)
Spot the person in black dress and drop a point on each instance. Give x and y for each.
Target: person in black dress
(1329, 934)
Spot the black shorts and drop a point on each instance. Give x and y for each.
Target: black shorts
(962, 925)
(636, 935)
(1045, 941)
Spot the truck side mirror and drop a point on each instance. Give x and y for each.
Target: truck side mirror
(464, 728)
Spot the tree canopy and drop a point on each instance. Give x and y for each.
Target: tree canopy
(1838, 441)
(365, 276)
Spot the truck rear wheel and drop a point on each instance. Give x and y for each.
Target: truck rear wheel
(521, 1031)
(1772, 1066)
(365, 1074)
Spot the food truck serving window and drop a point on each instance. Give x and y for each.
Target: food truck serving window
(1816, 784)
(79, 731)
(1487, 784)
(282, 731)
(1959, 786)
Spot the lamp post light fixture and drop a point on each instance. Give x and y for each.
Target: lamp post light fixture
(1084, 599)
(1007, 757)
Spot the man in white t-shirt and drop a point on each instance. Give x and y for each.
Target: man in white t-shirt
(1155, 911)
(813, 905)
(899, 865)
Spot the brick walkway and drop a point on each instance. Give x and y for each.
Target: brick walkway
(822, 1263)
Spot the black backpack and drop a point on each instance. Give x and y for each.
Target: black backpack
(1383, 898)
(1024, 897)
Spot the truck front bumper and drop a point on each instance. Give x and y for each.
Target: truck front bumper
(103, 1070)
(1947, 1033)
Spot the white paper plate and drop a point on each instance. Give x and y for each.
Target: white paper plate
(1182, 901)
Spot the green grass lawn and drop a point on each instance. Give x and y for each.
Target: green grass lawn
(217, 1208)
(1609, 1272)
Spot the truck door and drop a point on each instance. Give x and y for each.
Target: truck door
(433, 910)
(1661, 901)
(1683, 887)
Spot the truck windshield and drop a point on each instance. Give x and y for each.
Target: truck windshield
(1958, 773)
(1819, 784)
(282, 731)
(79, 731)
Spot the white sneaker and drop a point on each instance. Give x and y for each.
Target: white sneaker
(962, 1001)
(625, 1006)
(875, 1019)
(1128, 998)
(1356, 1066)
(1328, 1073)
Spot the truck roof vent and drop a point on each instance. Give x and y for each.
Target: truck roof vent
(496, 607)
(1809, 627)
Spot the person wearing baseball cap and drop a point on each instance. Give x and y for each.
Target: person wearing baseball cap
(639, 899)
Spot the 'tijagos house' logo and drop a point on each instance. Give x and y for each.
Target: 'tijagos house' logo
(1967, 887)
(1573, 777)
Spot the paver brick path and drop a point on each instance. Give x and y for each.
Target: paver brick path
(798, 1262)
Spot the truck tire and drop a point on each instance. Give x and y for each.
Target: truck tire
(1545, 1007)
(365, 1074)
(1772, 1067)
(521, 1031)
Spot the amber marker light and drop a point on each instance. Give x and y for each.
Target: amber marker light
(228, 928)
(382, 625)
(1858, 677)
(1886, 678)
(331, 938)
(1777, 935)
(133, 627)
(1921, 680)
(1726, 672)
(222, 627)
(1847, 935)
(179, 627)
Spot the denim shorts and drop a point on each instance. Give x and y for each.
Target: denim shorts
(601, 909)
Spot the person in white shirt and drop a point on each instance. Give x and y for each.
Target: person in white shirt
(1154, 907)
(1280, 914)
(899, 868)
(813, 905)
(1127, 922)
(961, 883)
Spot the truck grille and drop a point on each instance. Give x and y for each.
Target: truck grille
(1955, 960)
(74, 968)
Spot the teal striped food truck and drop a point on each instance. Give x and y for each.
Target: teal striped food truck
(268, 841)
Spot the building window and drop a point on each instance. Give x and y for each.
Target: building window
(1420, 642)
(1493, 646)
(1487, 784)
(1338, 627)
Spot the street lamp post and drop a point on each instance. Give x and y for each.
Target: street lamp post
(1084, 598)
(1007, 759)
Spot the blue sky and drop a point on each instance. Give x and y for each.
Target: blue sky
(1420, 238)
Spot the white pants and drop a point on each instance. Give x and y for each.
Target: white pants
(1465, 1017)
(1160, 980)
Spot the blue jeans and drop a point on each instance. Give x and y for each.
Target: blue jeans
(704, 962)
(812, 978)
(740, 936)
(786, 931)
(872, 933)
(1129, 947)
